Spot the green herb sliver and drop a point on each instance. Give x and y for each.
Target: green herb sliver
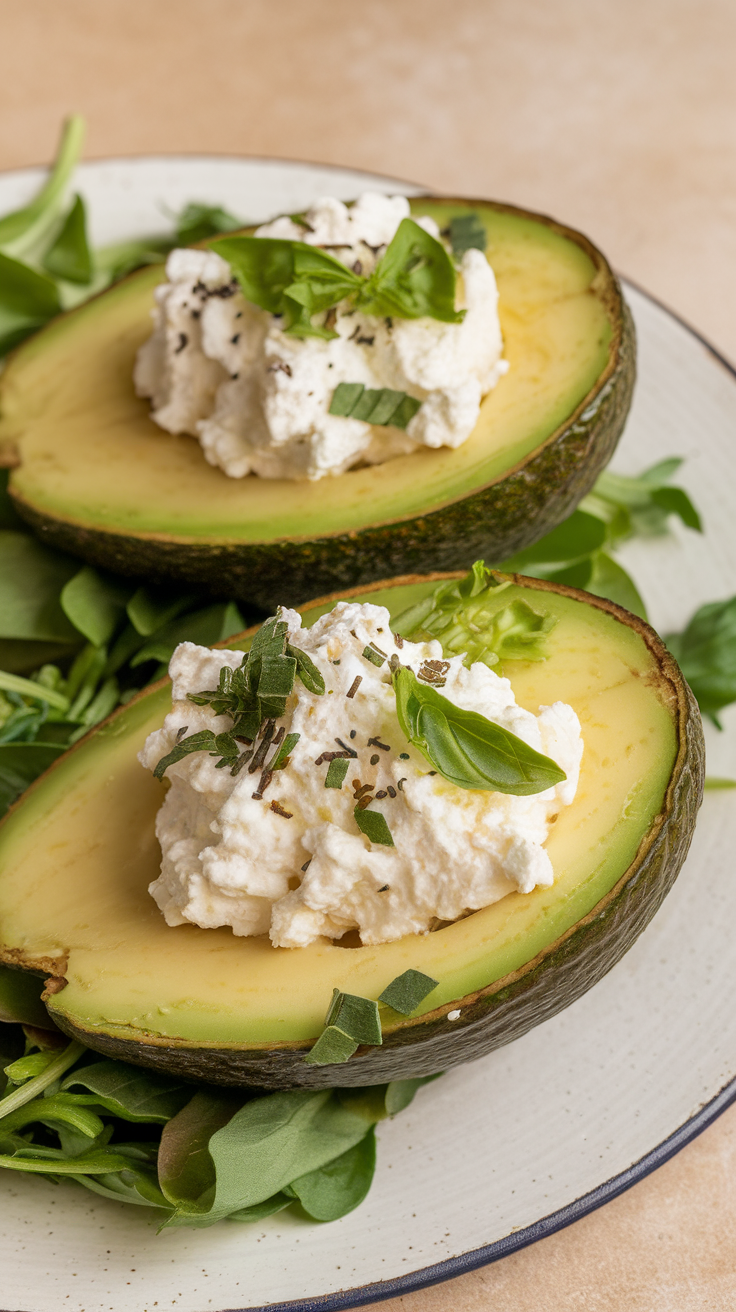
(407, 991)
(467, 749)
(381, 406)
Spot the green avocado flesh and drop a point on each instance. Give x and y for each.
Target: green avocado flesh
(78, 851)
(98, 477)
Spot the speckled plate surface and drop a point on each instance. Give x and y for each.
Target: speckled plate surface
(510, 1148)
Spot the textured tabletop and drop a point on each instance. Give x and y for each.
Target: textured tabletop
(618, 119)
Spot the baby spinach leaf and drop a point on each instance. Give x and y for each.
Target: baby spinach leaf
(338, 1187)
(407, 991)
(186, 1172)
(706, 654)
(259, 1211)
(129, 1092)
(466, 748)
(206, 627)
(31, 580)
(27, 301)
(95, 602)
(70, 257)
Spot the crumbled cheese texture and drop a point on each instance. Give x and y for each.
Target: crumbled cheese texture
(223, 370)
(293, 863)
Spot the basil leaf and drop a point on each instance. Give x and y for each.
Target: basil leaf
(466, 748)
(407, 991)
(70, 257)
(415, 278)
(374, 825)
(288, 278)
(706, 654)
(339, 1186)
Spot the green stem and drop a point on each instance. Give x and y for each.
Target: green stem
(32, 1088)
(25, 227)
(29, 688)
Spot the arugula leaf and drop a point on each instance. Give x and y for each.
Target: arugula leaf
(466, 748)
(129, 1092)
(70, 257)
(706, 654)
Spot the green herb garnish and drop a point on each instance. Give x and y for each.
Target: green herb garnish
(467, 232)
(350, 1021)
(466, 748)
(380, 406)
(373, 655)
(405, 993)
(415, 278)
(714, 783)
(336, 771)
(253, 695)
(374, 825)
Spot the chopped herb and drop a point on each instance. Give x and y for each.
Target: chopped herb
(307, 864)
(380, 406)
(383, 889)
(356, 1016)
(352, 733)
(400, 784)
(404, 756)
(466, 748)
(336, 772)
(405, 993)
(332, 1047)
(354, 685)
(391, 791)
(281, 759)
(375, 759)
(350, 750)
(278, 808)
(376, 742)
(373, 824)
(467, 232)
(361, 789)
(381, 794)
(375, 657)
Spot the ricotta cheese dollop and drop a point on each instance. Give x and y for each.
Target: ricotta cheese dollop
(223, 370)
(293, 862)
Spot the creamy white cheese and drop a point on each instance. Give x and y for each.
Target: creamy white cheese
(230, 858)
(223, 370)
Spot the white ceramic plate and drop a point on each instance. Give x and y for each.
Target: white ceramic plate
(510, 1148)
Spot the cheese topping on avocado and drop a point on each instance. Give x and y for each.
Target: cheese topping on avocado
(258, 398)
(292, 860)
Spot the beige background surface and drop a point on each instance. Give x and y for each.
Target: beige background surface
(617, 118)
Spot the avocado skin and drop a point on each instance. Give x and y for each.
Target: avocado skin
(493, 522)
(511, 1006)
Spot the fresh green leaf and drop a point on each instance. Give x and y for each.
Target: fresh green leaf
(339, 1186)
(415, 278)
(27, 301)
(332, 1047)
(355, 1016)
(280, 759)
(288, 278)
(336, 771)
(95, 603)
(259, 1211)
(56, 1067)
(93, 1163)
(197, 221)
(374, 825)
(407, 991)
(466, 748)
(186, 1172)
(129, 1092)
(380, 406)
(31, 580)
(609, 579)
(467, 232)
(70, 257)
(579, 535)
(34, 689)
(714, 783)
(306, 670)
(205, 627)
(706, 654)
(149, 609)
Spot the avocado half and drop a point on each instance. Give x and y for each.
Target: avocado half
(78, 851)
(98, 478)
